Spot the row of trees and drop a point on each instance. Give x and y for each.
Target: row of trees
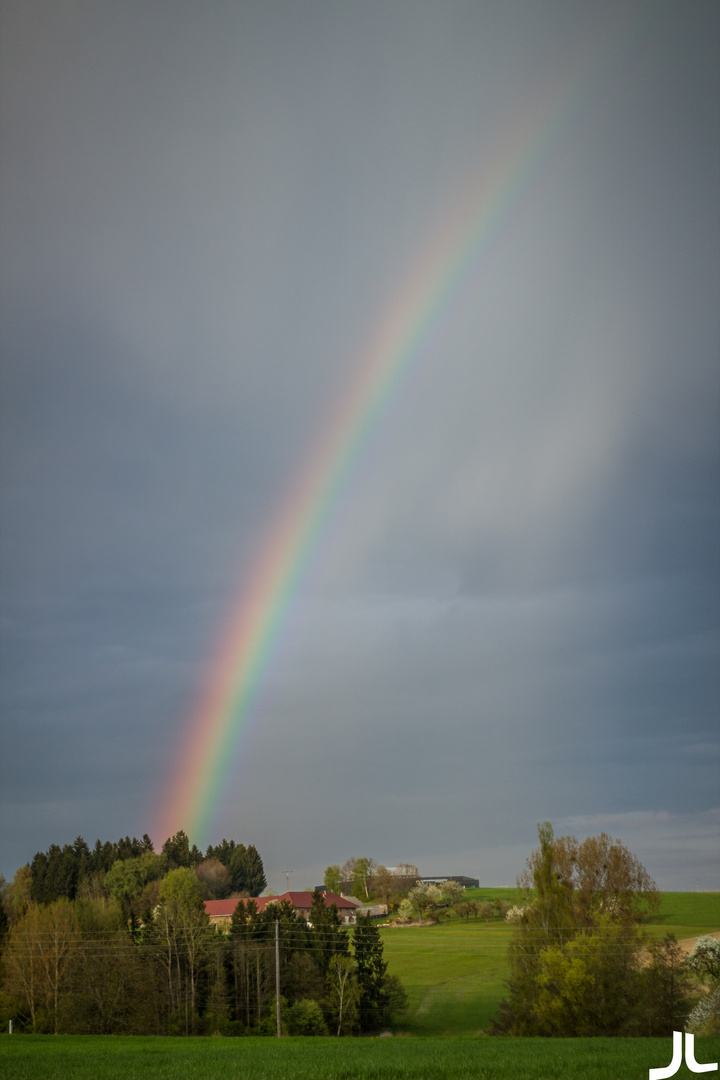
(367, 880)
(580, 963)
(244, 872)
(66, 871)
(82, 966)
(123, 868)
(408, 898)
(436, 901)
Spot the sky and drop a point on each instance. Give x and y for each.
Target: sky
(509, 608)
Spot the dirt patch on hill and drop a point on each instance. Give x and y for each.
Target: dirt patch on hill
(688, 944)
(404, 925)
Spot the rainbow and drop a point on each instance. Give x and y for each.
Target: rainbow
(420, 309)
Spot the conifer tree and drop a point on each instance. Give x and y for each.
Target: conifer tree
(247, 870)
(328, 937)
(177, 849)
(371, 974)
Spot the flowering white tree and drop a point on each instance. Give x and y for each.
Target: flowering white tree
(435, 898)
(704, 1019)
(705, 957)
(405, 911)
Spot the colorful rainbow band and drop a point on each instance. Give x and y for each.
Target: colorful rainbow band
(416, 316)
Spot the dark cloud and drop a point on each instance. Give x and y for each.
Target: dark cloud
(512, 611)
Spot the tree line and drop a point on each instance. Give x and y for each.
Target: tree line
(408, 898)
(123, 868)
(367, 879)
(129, 948)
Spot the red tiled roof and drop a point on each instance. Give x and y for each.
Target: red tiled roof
(218, 909)
(305, 899)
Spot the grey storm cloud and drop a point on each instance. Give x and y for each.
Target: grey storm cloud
(512, 613)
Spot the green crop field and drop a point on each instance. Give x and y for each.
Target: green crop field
(509, 895)
(454, 973)
(91, 1057)
(687, 914)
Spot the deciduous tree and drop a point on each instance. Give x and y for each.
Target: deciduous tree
(600, 874)
(578, 962)
(705, 958)
(343, 993)
(704, 961)
(215, 880)
(305, 1017)
(382, 883)
(37, 959)
(362, 872)
(332, 878)
(110, 989)
(22, 965)
(183, 934)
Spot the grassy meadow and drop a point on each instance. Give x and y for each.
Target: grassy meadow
(91, 1057)
(688, 914)
(454, 972)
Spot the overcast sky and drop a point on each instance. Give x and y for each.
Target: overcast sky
(208, 210)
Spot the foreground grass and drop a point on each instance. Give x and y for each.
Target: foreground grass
(89, 1057)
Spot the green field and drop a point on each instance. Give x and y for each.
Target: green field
(454, 973)
(687, 914)
(93, 1057)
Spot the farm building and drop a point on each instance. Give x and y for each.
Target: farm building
(220, 912)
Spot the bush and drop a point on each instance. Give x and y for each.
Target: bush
(705, 957)
(704, 960)
(305, 1017)
(516, 914)
(406, 911)
(704, 1019)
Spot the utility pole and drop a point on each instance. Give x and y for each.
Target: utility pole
(277, 975)
(287, 878)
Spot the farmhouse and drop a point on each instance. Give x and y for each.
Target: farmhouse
(220, 912)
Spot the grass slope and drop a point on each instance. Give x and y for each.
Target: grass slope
(454, 973)
(77, 1057)
(689, 914)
